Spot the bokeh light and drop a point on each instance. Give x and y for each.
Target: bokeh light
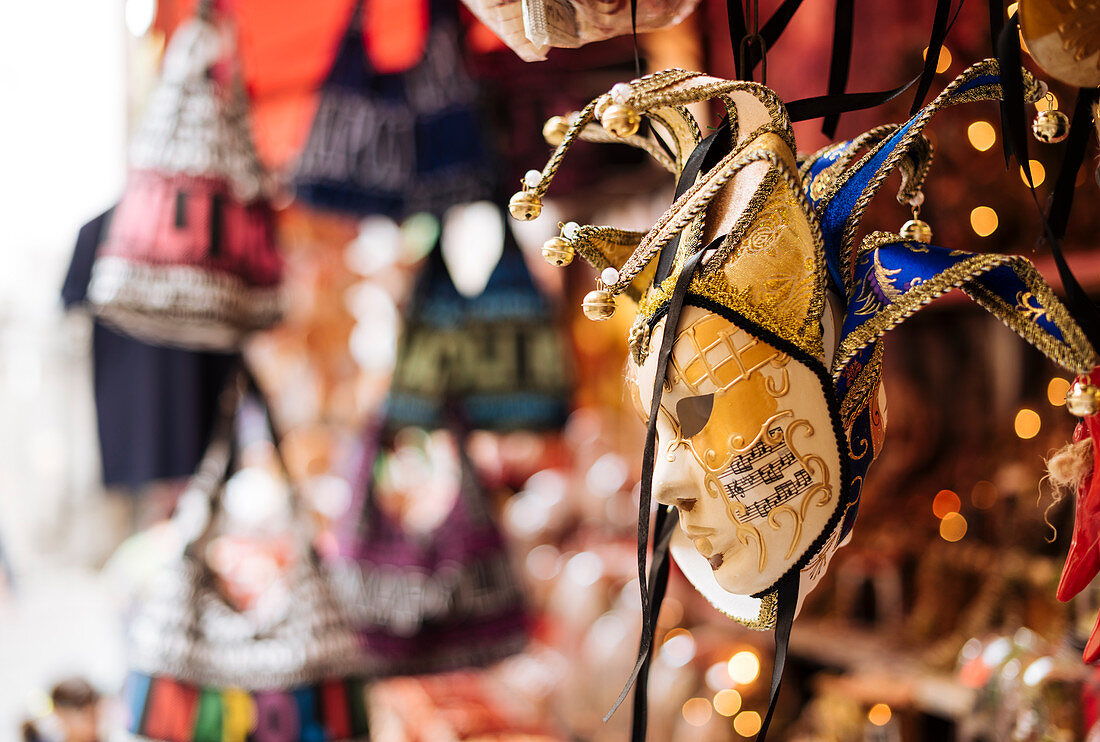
(747, 723)
(727, 702)
(984, 221)
(982, 135)
(717, 676)
(1057, 390)
(879, 715)
(678, 649)
(952, 527)
(744, 667)
(945, 502)
(1038, 173)
(944, 62)
(983, 495)
(696, 711)
(1027, 423)
(1048, 102)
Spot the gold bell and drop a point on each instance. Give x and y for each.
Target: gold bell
(558, 251)
(553, 131)
(621, 120)
(1050, 126)
(598, 305)
(916, 230)
(1083, 400)
(524, 206)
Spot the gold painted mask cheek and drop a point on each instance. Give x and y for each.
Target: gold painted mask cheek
(755, 451)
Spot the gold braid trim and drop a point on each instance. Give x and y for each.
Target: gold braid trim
(861, 390)
(944, 99)
(1075, 356)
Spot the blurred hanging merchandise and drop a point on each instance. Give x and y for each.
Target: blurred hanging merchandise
(498, 356)
(427, 575)
(531, 27)
(190, 257)
(208, 654)
(396, 143)
(155, 406)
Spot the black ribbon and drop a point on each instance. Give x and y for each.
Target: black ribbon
(769, 34)
(1057, 219)
(827, 105)
(650, 608)
(841, 62)
(786, 603)
(932, 57)
(1013, 120)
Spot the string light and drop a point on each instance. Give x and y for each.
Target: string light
(747, 723)
(982, 135)
(1027, 423)
(1057, 390)
(983, 220)
(879, 715)
(696, 711)
(1038, 173)
(983, 495)
(952, 527)
(944, 503)
(727, 702)
(743, 667)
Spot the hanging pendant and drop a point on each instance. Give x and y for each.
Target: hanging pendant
(1050, 127)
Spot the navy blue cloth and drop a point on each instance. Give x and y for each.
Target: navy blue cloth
(155, 406)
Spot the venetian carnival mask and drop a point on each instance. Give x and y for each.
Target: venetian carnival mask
(756, 349)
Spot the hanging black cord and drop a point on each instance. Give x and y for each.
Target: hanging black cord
(786, 604)
(840, 64)
(1013, 120)
(932, 54)
(634, 32)
(1055, 222)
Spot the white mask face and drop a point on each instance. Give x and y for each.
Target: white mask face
(746, 450)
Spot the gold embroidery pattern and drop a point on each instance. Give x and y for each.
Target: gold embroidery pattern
(945, 98)
(862, 390)
(1075, 354)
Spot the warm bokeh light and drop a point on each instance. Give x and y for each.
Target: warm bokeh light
(717, 676)
(1057, 390)
(1049, 102)
(879, 715)
(1011, 9)
(952, 527)
(747, 723)
(696, 711)
(983, 495)
(983, 220)
(678, 648)
(1038, 173)
(943, 62)
(743, 667)
(1027, 424)
(982, 135)
(727, 702)
(945, 502)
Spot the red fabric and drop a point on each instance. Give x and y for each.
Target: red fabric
(144, 229)
(286, 47)
(1083, 559)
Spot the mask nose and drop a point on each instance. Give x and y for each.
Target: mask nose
(672, 480)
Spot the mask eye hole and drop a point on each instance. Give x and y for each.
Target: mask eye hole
(693, 413)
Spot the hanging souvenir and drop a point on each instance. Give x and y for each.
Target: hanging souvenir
(396, 143)
(498, 356)
(190, 258)
(1061, 38)
(201, 667)
(437, 598)
(155, 406)
(531, 27)
(757, 345)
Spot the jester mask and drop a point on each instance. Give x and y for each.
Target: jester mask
(757, 344)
